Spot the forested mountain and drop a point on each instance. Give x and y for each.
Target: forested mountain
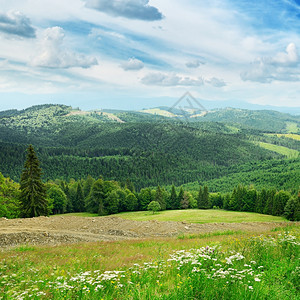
(264, 120)
(148, 149)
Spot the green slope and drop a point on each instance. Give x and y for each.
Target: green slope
(149, 151)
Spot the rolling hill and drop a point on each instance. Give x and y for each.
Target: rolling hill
(148, 149)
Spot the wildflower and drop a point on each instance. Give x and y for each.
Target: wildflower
(257, 279)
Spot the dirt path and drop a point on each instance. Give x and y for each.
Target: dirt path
(70, 229)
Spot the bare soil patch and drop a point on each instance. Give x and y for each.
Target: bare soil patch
(72, 229)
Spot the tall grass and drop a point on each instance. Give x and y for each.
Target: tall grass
(230, 267)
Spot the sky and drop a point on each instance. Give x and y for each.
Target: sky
(132, 54)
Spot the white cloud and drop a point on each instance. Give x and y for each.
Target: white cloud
(162, 79)
(131, 9)
(288, 58)
(281, 67)
(14, 22)
(54, 54)
(132, 64)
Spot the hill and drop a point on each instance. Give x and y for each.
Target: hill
(150, 150)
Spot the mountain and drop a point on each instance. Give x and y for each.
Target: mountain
(264, 120)
(149, 149)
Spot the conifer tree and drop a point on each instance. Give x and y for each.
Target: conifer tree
(200, 197)
(78, 204)
(203, 198)
(87, 186)
(179, 198)
(172, 199)
(159, 198)
(33, 196)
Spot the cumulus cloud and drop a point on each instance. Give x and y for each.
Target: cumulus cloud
(194, 64)
(288, 58)
(281, 67)
(132, 64)
(162, 79)
(16, 23)
(54, 54)
(131, 9)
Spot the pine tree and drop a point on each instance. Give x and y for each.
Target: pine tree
(172, 199)
(78, 204)
(179, 198)
(200, 197)
(87, 186)
(159, 198)
(33, 196)
(203, 198)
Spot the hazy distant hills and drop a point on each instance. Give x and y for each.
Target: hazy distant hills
(264, 120)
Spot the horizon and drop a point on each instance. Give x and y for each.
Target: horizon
(290, 110)
(133, 53)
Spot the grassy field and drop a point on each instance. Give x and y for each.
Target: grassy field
(159, 112)
(290, 136)
(289, 153)
(236, 266)
(80, 214)
(200, 216)
(292, 127)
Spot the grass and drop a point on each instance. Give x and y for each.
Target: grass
(201, 216)
(289, 153)
(290, 136)
(233, 266)
(160, 112)
(292, 127)
(80, 214)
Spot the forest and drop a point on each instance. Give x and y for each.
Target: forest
(108, 162)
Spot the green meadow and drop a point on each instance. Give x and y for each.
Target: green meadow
(289, 153)
(201, 216)
(224, 266)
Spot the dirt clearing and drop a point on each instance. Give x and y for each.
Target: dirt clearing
(72, 229)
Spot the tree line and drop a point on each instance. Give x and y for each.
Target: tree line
(33, 198)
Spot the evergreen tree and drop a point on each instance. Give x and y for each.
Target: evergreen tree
(78, 204)
(33, 196)
(269, 203)
(172, 199)
(200, 197)
(261, 201)
(87, 186)
(279, 202)
(159, 198)
(249, 200)
(206, 197)
(129, 185)
(203, 198)
(179, 198)
(185, 202)
(94, 202)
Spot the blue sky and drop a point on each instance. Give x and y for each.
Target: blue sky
(140, 53)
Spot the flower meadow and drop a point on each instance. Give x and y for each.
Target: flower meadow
(258, 267)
